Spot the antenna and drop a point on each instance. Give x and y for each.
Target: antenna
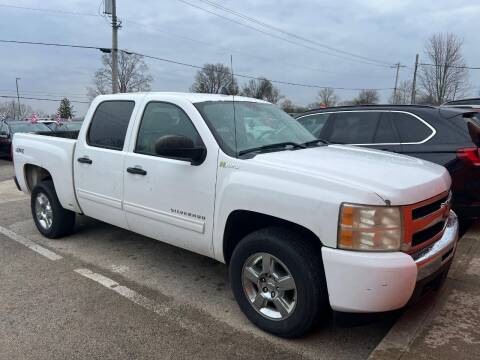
(232, 83)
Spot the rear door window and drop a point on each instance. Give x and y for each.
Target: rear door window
(386, 133)
(109, 124)
(314, 122)
(410, 128)
(354, 127)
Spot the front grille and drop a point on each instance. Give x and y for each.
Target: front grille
(428, 209)
(425, 235)
(425, 222)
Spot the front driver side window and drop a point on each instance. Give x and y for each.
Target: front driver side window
(160, 119)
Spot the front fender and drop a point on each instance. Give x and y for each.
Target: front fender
(311, 203)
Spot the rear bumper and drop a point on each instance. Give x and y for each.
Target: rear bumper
(376, 282)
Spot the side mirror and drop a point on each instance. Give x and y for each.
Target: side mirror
(181, 148)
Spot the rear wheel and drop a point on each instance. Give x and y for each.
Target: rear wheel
(278, 281)
(51, 219)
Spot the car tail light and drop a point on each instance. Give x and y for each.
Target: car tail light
(470, 155)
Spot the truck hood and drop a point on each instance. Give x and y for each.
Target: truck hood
(397, 178)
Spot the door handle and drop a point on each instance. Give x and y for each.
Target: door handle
(84, 160)
(136, 171)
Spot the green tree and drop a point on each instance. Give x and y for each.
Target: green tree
(66, 109)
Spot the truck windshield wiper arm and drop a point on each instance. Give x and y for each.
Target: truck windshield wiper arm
(281, 145)
(315, 142)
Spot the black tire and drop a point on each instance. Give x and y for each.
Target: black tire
(63, 221)
(303, 260)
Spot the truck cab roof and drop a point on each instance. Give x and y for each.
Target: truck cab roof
(192, 97)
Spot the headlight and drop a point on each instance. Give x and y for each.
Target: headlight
(370, 228)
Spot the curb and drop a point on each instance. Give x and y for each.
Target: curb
(405, 331)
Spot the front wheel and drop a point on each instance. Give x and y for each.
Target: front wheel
(51, 219)
(278, 281)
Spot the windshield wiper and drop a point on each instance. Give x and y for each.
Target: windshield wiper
(315, 142)
(281, 145)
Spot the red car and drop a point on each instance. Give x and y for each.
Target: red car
(8, 128)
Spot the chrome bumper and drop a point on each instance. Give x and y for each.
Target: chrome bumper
(432, 258)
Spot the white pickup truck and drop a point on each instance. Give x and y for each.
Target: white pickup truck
(304, 226)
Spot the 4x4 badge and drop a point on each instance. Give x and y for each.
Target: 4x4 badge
(227, 165)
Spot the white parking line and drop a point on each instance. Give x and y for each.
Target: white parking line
(30, 244)
(124, 291)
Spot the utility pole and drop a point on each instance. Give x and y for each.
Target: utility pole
(115, 27)
(397, 65)
(18, 98)
(414, 82)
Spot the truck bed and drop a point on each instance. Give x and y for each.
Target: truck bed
(60, 134)
(52, 151)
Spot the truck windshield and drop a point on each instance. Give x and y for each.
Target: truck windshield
(257, 125)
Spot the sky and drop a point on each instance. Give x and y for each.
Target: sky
(387, 32)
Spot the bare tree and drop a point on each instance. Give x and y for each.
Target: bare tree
(446, 78)
(403, 94)
(263, 89)
(133, 75)
(214, 79)
(366, 96)
(9, 110)
(288, 106)
(327, 97)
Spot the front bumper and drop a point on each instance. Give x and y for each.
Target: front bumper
(376, 282)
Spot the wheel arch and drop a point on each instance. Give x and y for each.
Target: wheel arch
(35, 174)
(242, 222)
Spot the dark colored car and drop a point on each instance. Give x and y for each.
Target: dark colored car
(8, 128)
(473, 103)
(440, 135)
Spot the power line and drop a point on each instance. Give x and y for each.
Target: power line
(452, 66)
(41, 99)
(288, 33)
(226, 50)
(229, 51)
(64, 12)
(54, 44)
(251, 76)
(280, 37)
(41, 93)
(180, 63)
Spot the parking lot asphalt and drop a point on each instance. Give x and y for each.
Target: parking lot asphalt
(115, 294)
(6, 170)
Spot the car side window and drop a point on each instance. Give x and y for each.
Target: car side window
(160, 119)
(109, 124)
(386, 133)
(410, 129)
(314, 123)
(354, 127)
